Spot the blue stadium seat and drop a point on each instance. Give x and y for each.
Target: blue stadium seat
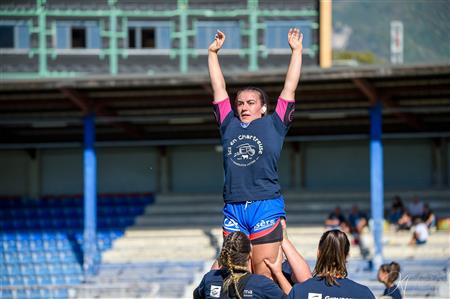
(16, 280)
(7, 294)
(30, 280)
(38, 257)
(26, 257)
(44, 280)
(27, 269)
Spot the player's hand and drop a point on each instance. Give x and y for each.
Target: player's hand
(275, 267)
(295, 39)
(217, 44)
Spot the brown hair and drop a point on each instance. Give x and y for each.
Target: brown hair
(234, 257)
(262, 96)
(334, 247)
(392, 270)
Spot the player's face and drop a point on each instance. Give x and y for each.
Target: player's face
(249, 106)
(381, 276)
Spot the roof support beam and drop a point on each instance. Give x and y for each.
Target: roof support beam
(373, 95)
(87, 106)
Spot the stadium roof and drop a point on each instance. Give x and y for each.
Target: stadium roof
(175, 108)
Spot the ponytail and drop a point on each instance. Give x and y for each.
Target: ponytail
(392, 270)
(234, 257)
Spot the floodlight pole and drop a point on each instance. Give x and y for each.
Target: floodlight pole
(376, 181)
(90, 253)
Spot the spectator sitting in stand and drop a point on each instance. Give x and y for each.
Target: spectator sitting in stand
(420, 233)
(428, 217)
(397, 210)
(415, 208)
(337, 220)
(405, 222)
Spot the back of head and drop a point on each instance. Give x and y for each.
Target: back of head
(234, 257)
(333, 250)
(392, 270)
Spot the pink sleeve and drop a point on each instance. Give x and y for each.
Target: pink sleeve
(283, 107)
(222, 109)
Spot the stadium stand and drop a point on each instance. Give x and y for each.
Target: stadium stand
(41, 240)
(181, 231)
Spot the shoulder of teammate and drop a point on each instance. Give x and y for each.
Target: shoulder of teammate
(360, 289)
(267, 287)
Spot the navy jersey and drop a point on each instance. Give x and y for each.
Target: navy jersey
(393, 291)
(317, 288)
(257, 286)
(251, 151)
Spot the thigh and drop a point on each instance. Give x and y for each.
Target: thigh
(260, 252)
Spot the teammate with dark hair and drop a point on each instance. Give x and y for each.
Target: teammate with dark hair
(233, 279)
(388, 274)
(330, 273)
(252, 143)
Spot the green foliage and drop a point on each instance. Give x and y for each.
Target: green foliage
(360, 57)
(425, 23)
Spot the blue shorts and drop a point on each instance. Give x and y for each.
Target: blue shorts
(256, 219)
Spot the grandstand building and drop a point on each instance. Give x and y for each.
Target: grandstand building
(132, 75)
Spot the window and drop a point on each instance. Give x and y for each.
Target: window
(77, 35)
(148, 38)
(276, 33)
(148, 35)
(132, 38)
(14, 35)
(206, 30)
(6, 36)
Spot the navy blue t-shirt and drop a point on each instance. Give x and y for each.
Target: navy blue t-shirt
(257, 286)
(251, 151)
(317, 288)
(393, 291)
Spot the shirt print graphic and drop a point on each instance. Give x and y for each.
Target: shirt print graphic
(245, 150)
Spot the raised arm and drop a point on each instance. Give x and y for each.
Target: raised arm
(295, 39)
(215, 72)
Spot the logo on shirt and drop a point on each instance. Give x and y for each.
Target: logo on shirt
(245, 150)
(215, 291)
(248, 293)
(314, 296)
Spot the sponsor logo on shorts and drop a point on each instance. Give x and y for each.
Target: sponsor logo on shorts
(215, 291)
(264, 224)
(230, 224)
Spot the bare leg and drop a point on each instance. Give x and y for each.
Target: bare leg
(264, 251)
